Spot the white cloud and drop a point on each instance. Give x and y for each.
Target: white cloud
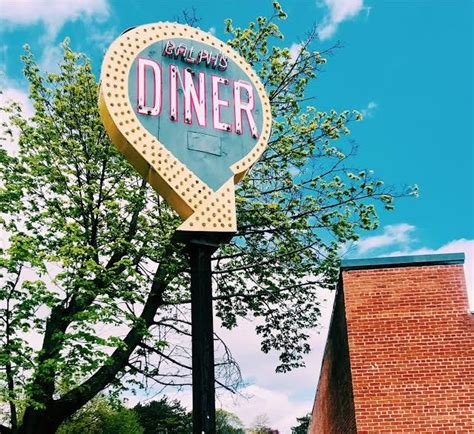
(295, 50)
(337, 12)
(51, 58)
(393, 235)
(212, 30)
(281, 411)
(369, 111)
(102, 38)
(282, 397)
(12, 92)
(15, 94)
(52, 13)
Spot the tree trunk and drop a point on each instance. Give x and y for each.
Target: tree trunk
(11, 389)
(37, 421)
(48, 419)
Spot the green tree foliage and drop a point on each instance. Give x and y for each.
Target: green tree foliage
(303, 425)
(102, 416)
(164, 415)
(228, 423)
(89, 269)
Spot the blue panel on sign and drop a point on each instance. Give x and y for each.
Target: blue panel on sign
(207, 114)
(203, 142)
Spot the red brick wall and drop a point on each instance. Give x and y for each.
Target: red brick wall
(411, 346)
(333, 410)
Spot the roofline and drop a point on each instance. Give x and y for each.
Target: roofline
(402, 261)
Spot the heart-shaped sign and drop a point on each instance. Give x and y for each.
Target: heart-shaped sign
(189, 113)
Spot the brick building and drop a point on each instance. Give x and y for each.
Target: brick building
(400, 351)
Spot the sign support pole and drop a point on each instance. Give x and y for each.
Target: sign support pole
(204, 408)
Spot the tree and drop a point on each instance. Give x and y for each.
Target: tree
(161, 416)
(303, 425)
(90, 265)
(261, 425)
(228, 423)
(102, 416)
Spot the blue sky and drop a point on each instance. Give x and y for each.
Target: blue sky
(408, 65)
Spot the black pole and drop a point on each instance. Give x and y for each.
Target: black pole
(204, 409)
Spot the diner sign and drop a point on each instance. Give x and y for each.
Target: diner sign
(190, 115)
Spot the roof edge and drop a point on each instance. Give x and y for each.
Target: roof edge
(403, 261)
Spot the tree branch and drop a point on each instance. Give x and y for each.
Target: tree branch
(76, 398)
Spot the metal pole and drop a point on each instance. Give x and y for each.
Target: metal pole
(204, 409)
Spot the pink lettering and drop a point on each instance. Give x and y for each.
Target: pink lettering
(142, 66)
(191, 98)
(247, 107)
(217, 103)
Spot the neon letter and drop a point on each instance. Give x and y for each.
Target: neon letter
(217, 103)
(247, 107)
(142, 107)
(173, 92)
(191, 97)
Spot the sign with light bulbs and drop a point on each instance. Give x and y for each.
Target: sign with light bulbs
(190, 115)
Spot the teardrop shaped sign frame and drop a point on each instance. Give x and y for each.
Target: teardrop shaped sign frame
(193, 144)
